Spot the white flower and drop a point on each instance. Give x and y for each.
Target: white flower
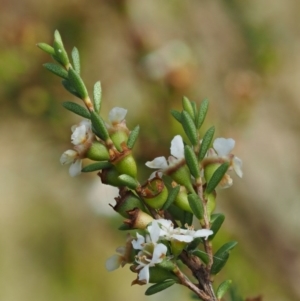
(81, 133)
(223, 147)
(123, 256)
(168, 232)
(117, 115)
(150, 252)
(82, 138)
(72, 157)
(177, 156)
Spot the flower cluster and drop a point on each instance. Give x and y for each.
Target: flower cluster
(161, 212)
(153, 246)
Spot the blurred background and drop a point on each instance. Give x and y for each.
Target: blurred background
(56, 231)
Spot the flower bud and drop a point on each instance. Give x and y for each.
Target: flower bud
(110, 176)
(182, 176)
(181, 200)
(209, 170)
(125, 163)
(211, 203)
(127, 201)
(119, 137)
(138, 219)
(154, 193)
(97, 152)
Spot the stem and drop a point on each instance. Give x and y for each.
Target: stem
(186, 282)
(201, 274)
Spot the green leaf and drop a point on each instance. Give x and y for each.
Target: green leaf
(97, 96)
(173, 192)
(223, 288)
(188, 218)
(56, 69)
(189, 127)
(187, 106)
(219, 263)
(128, 181)
(96, 166)
(77, 82)
(216, 223)
(206, 141)
(68, 86)
(76, 59)
(99, 126)
(158, 287)
(217, 177)
(60, 53)
(196, 205)
(202, 255)
(221, 257)
(202, 113)
(77, 109)
(47, 48)
(176, 115)
(194, 105)
(176, 213)
(124, 227)
(191, 161)
(133, 137)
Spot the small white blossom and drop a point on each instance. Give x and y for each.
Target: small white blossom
(223, 147)
(150, 252)
(167, 231)
(117, 115)
(72, 157)
(82, 138)
(177, 155)
(123, 256)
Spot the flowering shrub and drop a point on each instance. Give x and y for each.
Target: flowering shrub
(180, 191)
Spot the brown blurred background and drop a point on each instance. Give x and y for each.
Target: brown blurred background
(56, 232)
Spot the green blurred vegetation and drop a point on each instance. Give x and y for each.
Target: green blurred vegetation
(56, 232)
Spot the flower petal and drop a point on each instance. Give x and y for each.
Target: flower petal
(177, 147)
(137, 243)
(144, 274)
(117, 115)
(223, 146)
(113, 262)
(79, 135)
(75, 168)
(237, 166)
(158, 163)
(69, 156)
(203, 233)
(159, 251)
(154, 231)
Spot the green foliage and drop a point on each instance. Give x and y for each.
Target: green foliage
(191, 161)
(97, 96)
(76, 59)
(217, 177)
(77, 109)
(77, 83)
(196, 205)
(56, 69)
(133, 137)
(223, 288)
(173, 192)
(189, 127)
(216, 223)
(129, 181)
(96, 166)
(221, 257)
(99, 126)
(188, 107)
(202, 113)
(158, 287)
(176, 115)
(206, 141)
